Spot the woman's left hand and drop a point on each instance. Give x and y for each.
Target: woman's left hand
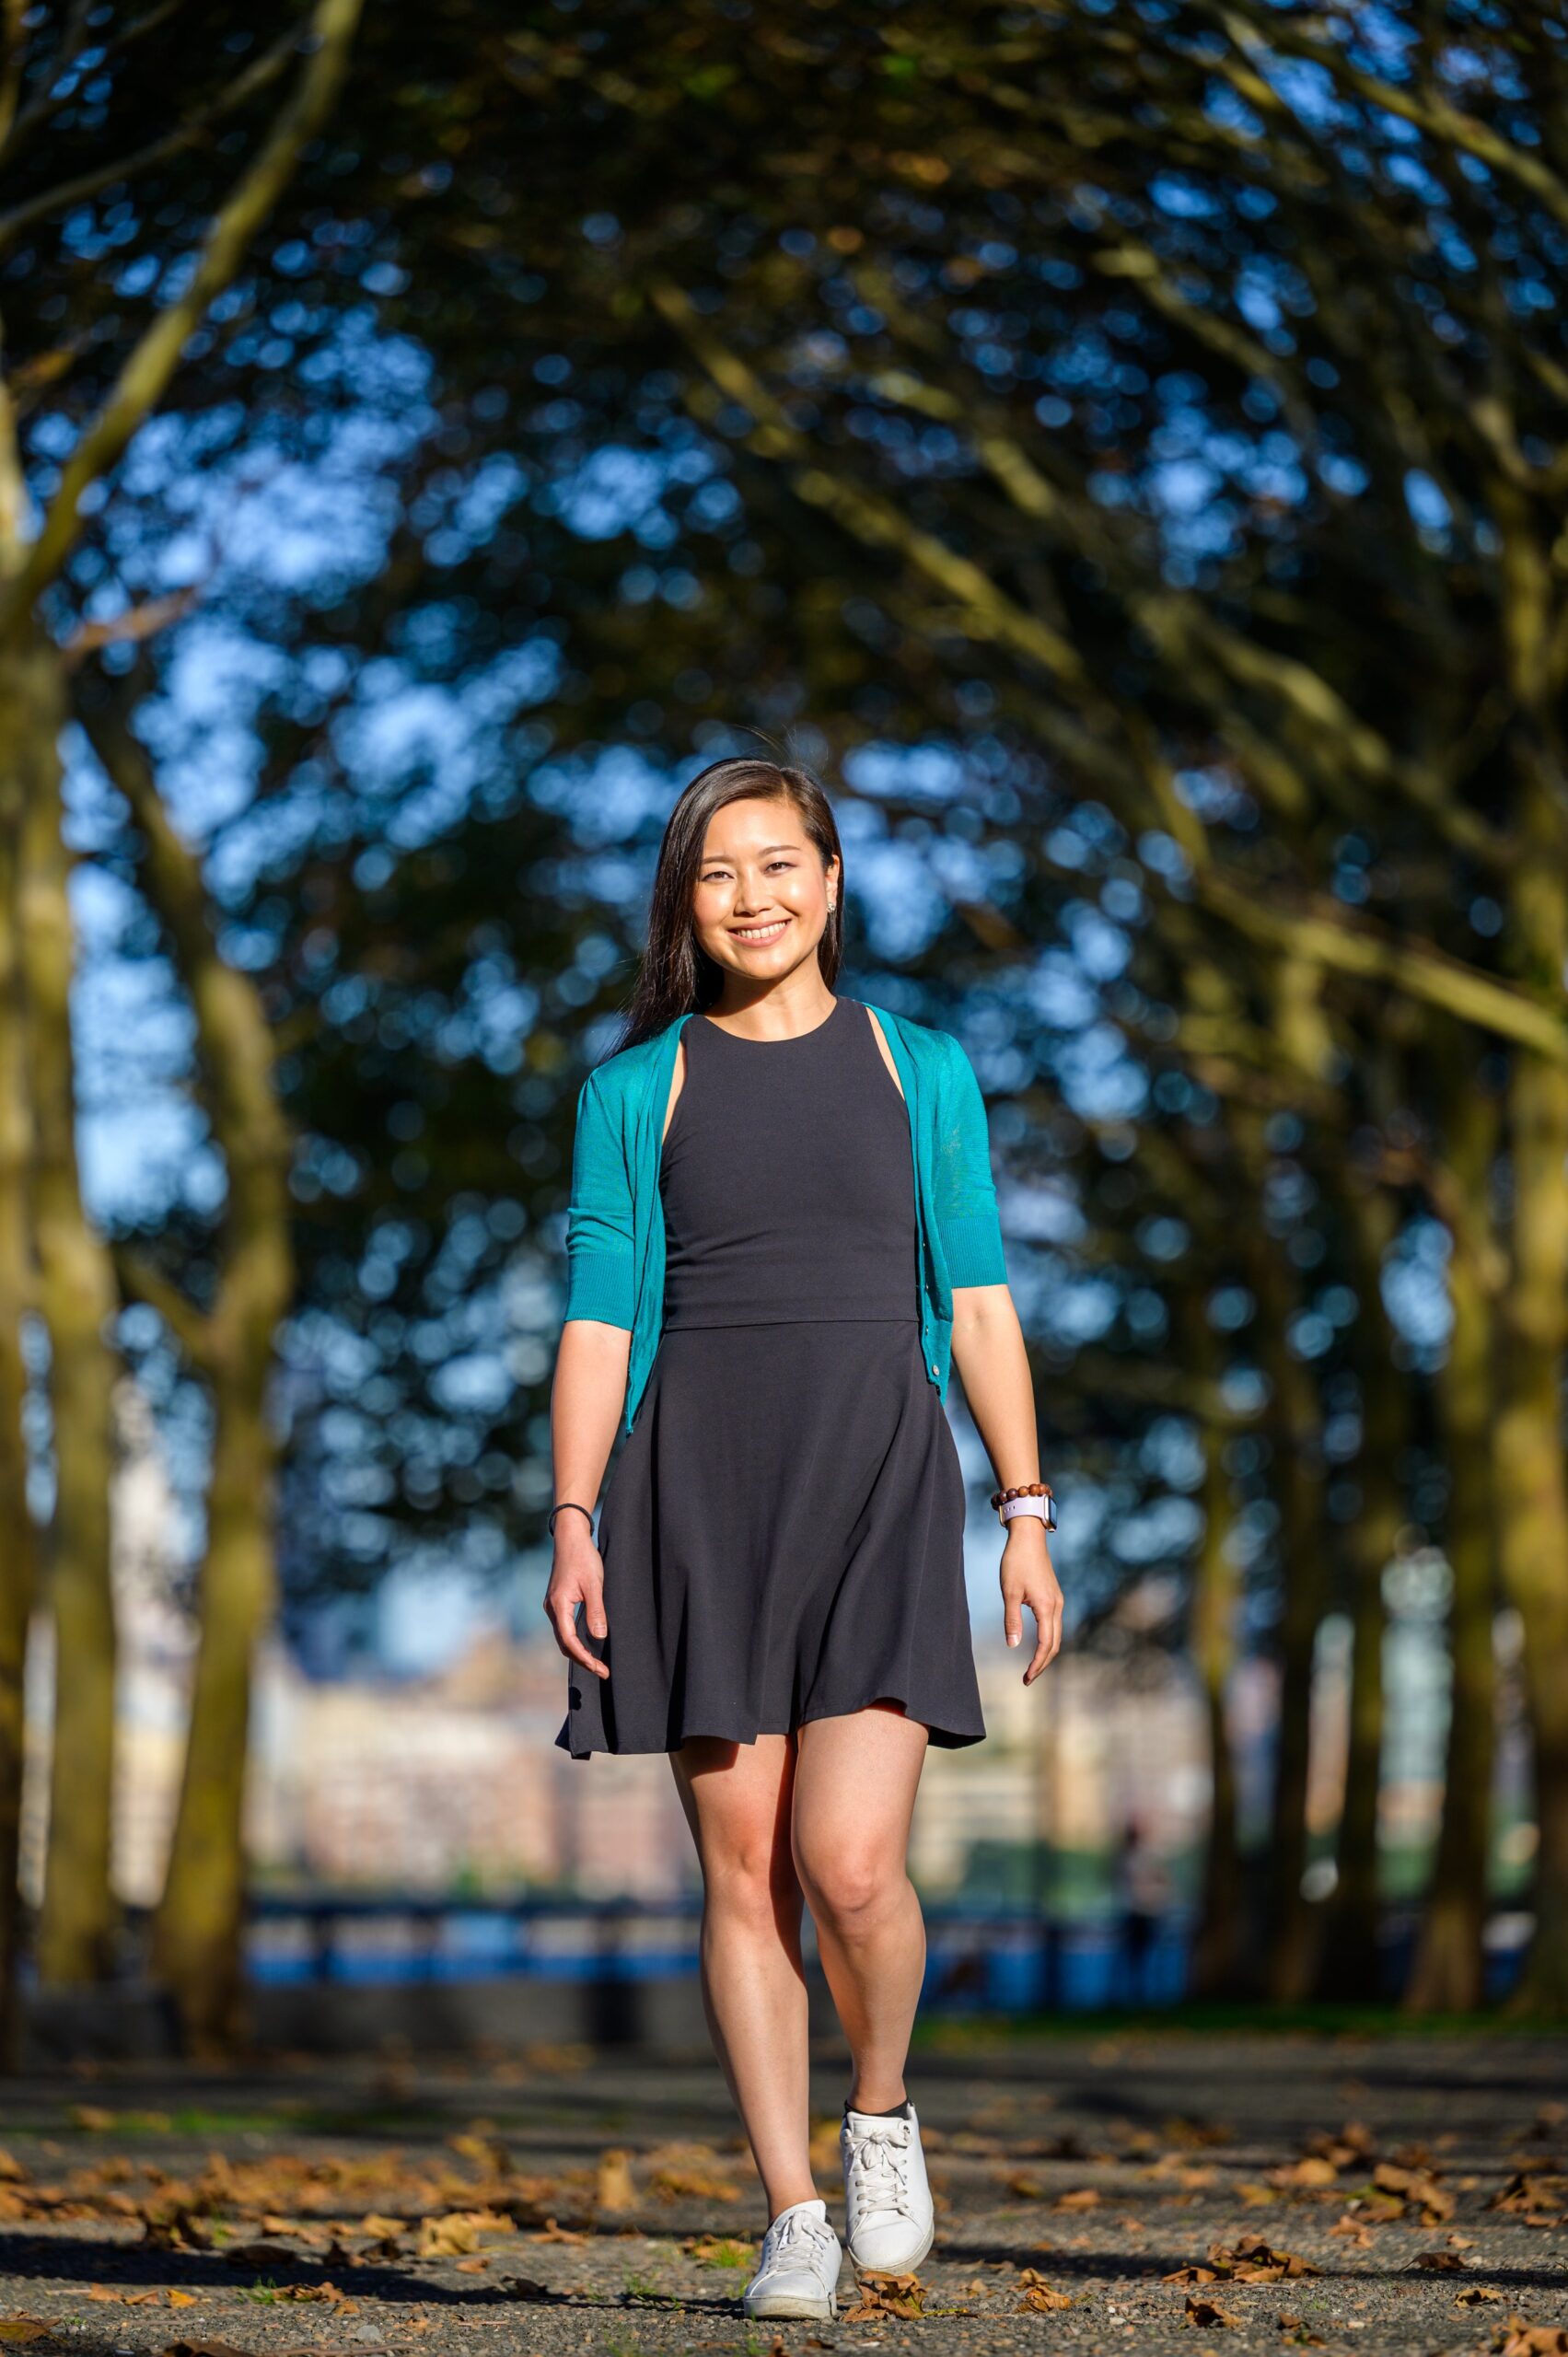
(1027, 1578)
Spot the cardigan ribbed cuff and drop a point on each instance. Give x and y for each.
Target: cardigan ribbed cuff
(600, 1286)
(972, 1249)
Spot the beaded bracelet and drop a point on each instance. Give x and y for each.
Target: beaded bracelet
(1028, 1489)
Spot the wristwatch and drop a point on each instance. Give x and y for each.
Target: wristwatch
(1035, 1497)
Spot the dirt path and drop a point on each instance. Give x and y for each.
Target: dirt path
(557, 2203)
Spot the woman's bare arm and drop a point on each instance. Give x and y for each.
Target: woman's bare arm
(994, 1367)
(586, 1399)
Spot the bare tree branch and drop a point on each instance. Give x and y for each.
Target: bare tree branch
(1354, 945)
(149, 368)
(192, 132)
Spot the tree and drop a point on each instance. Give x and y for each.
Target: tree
(76, 1293)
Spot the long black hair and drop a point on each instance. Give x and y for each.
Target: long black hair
(677, 976)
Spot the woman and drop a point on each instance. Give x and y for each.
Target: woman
(782, 1232)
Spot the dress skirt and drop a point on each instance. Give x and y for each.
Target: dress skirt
(782, 1540)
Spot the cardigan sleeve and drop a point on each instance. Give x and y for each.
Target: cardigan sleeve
(965, 1192)
(601, 1270)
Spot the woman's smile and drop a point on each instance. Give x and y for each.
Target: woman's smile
(756, 935)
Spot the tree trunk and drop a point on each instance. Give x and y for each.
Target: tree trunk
(1446, 1975)
(1352, 1954)
(1532, 1494)
(1293, 1425)
(1219, 1953)
(19, 1556)
(198, 1927)
(77, 1296)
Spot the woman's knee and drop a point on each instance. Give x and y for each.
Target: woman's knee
(848, 1886)
(750, 1878)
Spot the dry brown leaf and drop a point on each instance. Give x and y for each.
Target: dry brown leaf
(1039, 2294)
(886, 2295)
(259, 2255)
(1294, 2329)
(11, 2169)
(93, 2116)
(25, 2328)
(1440, 2262)
(457, 2232)
(613, 2189)
(1084, 2197)
(551, 2232)
(1251, 2261)
(1313, 2169)
(1204, 2313)
(1474, 2295)
(1530, 2190)
(382, 2230)
(1518, 2339)
(673, 2183)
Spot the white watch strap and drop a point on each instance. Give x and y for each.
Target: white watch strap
(1010, 1506)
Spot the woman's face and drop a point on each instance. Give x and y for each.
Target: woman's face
(761, 899)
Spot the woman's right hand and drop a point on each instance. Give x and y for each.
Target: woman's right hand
(576, 1578)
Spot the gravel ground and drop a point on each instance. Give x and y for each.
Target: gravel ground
(1215, 2192)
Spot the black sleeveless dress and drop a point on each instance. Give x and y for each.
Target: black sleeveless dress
(782, 1532)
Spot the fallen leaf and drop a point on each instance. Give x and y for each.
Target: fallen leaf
(382, 2230)
(614, 2186)
(1204, 2313)
(1474, 2295)
(1041, 2295)
(673, 2183)
(1084, 2197)
(1315, 2169)
(1439, 2262)
(24, 2328)
(1518, 2339)
(886, 2295)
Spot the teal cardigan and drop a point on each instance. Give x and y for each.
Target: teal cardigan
(615, 1223)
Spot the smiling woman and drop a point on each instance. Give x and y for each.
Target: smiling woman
(782, 1222)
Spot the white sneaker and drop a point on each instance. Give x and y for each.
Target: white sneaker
(798, 2272)
(891, 2223)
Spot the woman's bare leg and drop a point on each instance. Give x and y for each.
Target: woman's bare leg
(856, 1779)
(737, 1799)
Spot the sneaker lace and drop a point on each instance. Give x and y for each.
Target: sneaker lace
(795, 2225)
(877, 2172)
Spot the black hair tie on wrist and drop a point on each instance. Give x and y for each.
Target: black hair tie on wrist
(575, 1508)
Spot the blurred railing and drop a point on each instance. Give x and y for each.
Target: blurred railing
(983, 1959)
(988, 1960)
